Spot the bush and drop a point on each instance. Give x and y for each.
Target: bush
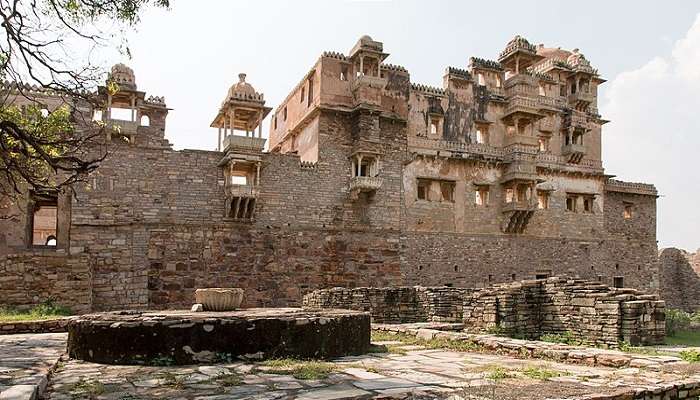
(677, 320)
(691, 356)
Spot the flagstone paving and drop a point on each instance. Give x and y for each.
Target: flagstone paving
(411, 371)
(25, 361)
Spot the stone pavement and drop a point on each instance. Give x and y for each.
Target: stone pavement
(25, 361)
(401, 371)
(404, 372)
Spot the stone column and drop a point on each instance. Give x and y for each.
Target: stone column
(218, 143)
(133, 108)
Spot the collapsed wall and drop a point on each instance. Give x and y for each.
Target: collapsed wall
(591, 312)
(680, 279)
(394, 304)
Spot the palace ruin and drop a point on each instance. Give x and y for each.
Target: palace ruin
(369, 179)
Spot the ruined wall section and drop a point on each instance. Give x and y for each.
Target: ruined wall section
(680, 281)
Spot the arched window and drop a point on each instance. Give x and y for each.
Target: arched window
(145, 121)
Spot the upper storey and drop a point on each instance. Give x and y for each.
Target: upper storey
(534, 98)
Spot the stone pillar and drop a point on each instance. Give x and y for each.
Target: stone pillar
(133, 108)
(257, 174)
(218, 143)
(233, 122)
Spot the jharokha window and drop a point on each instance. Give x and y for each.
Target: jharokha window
(44, 219)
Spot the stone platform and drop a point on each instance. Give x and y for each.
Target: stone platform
(183, 337)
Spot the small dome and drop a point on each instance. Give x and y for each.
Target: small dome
(553, 53)
(123, 75)
(242, 87)
(366, 38)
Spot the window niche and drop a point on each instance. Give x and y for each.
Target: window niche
(628, 210)
(542, 200)
(43, 220)
(435, 190)
(588, 203)
(571, 200)
(435, 125)
(481, 195)
(482, 134)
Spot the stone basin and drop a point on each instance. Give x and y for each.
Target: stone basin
(219, 299)
(184, 337)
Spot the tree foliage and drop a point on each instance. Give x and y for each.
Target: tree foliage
(49, 46)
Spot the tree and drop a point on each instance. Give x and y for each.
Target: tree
(42, 150)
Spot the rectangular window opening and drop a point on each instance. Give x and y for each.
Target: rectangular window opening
(239, 180)
(44, 221)
(447, 190)
(571, 203)
(482, 195)
(628, 210)
(618, 282)
(423, 187)
(542, 200)
(588, 204)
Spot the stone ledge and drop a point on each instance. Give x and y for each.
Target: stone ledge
(183, 337)
(537, 349)
(58, 325)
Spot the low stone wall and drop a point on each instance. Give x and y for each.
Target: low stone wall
(592, 312)
(394, 304)
(58, 325)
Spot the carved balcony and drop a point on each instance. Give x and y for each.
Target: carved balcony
(517, 215)
(519, 206)
(577, 120)
(240, 202)
(526, 106)
(581, 100)
(573, 152)
(365, 183)
(242, 191)
(546, 124)
(244, 143)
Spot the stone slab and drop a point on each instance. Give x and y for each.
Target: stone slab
(184, 337)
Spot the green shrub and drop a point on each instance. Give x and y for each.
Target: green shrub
(567, 337)
(691, 356)
(677, 320)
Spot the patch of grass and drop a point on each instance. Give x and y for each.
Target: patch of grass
(86, 388)
(691, 356)
(541, 373)
(567, 337)
(396, 350)
(437, 343)
(228, 380)
(300, 369)
(46, 310)
(172, 380)
(378, 348)
(684, 338)
(384, 336)
(497, 373)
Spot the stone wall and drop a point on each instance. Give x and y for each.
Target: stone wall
(591, 312)
(680, 282)
(394, 305)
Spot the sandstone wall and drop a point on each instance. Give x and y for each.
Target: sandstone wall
(394, 305)
(591, 312)
(680, 281)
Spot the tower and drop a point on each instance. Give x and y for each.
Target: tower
(242, 110)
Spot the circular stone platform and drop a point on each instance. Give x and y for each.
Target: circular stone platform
(184, 337)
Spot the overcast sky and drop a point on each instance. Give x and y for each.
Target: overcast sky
(648, 50)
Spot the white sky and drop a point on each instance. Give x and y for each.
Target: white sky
(648, 50)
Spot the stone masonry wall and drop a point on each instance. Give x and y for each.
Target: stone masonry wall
(394, 305)
(680, 281)
(592, 312)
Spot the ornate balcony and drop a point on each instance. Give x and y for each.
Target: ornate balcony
(577, 120)
(519, 206)
(369, 81)
(244, 143)
(242, 191)
(528, 106)
(546, 124)
(574, 152)
(365, 183)
(240, 202)
(517, 215)
(581, 100)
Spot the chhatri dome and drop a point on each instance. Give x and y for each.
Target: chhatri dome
(242, 89)
(123, 75)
